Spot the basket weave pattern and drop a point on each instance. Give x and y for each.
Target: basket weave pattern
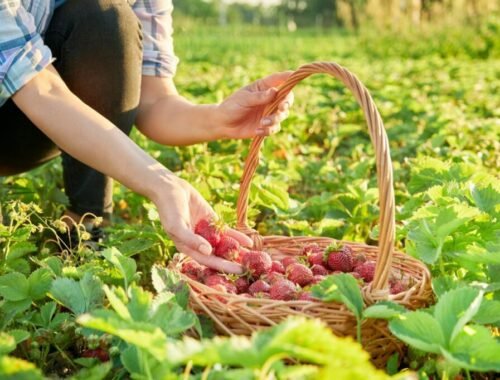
(235, 314)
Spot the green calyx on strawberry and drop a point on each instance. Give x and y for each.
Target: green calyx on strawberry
(338, 257)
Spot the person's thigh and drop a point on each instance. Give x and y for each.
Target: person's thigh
(98, 49)
(22, 145)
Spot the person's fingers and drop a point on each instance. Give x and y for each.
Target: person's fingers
(182, 235)
(290, 98)
(258, 98)
(271, 124)
(268, 131)
(286, 103)
(243, 239)
(214, 262)
(272, 80)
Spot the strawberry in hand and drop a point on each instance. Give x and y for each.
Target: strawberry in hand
(223, 245)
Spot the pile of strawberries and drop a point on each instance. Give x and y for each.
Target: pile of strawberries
(287, 279)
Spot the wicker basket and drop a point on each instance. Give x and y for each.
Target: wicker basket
(234, 314)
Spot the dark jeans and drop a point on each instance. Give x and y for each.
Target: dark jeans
(98, 49)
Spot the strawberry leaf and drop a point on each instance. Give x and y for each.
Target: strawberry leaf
(125, 265)
(384, 310)
(341, 288)
(14, 287)
(420, 330)
(455, 309)
(474, 348)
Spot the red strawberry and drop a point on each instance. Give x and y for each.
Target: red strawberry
(316, 258)
(277, 267)
(318, 269)
(221, 289)
(339, 257)
(299, 274)
(207, 272)
(272, 277)
(366, 271)
(284, 290)
(356, 275)
(208, 230)
(192, 269)
(358, 259)
(288, 260)
(241, 285)
(259, 286)
(98, 353)
(318, 278)
(311, 248)
(227, 248)
(215, 280)
(397, 287)
(257, 263)
(306, 296)
(243, 251)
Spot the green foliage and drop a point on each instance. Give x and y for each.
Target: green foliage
(125, 265)
(448, 331)
(150, 351)
(18, 369)
(78, 296)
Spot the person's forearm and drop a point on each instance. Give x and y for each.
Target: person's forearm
(86, 135)
(169, 119)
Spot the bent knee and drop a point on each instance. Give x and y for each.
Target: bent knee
(104, 19)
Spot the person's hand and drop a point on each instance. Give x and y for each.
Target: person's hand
(180, 208)
(240, 115)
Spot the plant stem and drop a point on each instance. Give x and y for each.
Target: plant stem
(358, 330)
(268, 364)
(468, 374)
(63, 354)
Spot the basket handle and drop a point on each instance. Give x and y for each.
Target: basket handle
(383, 161)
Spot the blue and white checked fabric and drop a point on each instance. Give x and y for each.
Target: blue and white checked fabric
(23, 53)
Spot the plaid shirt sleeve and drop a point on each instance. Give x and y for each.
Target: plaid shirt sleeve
(155, 16)
(22, 51)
